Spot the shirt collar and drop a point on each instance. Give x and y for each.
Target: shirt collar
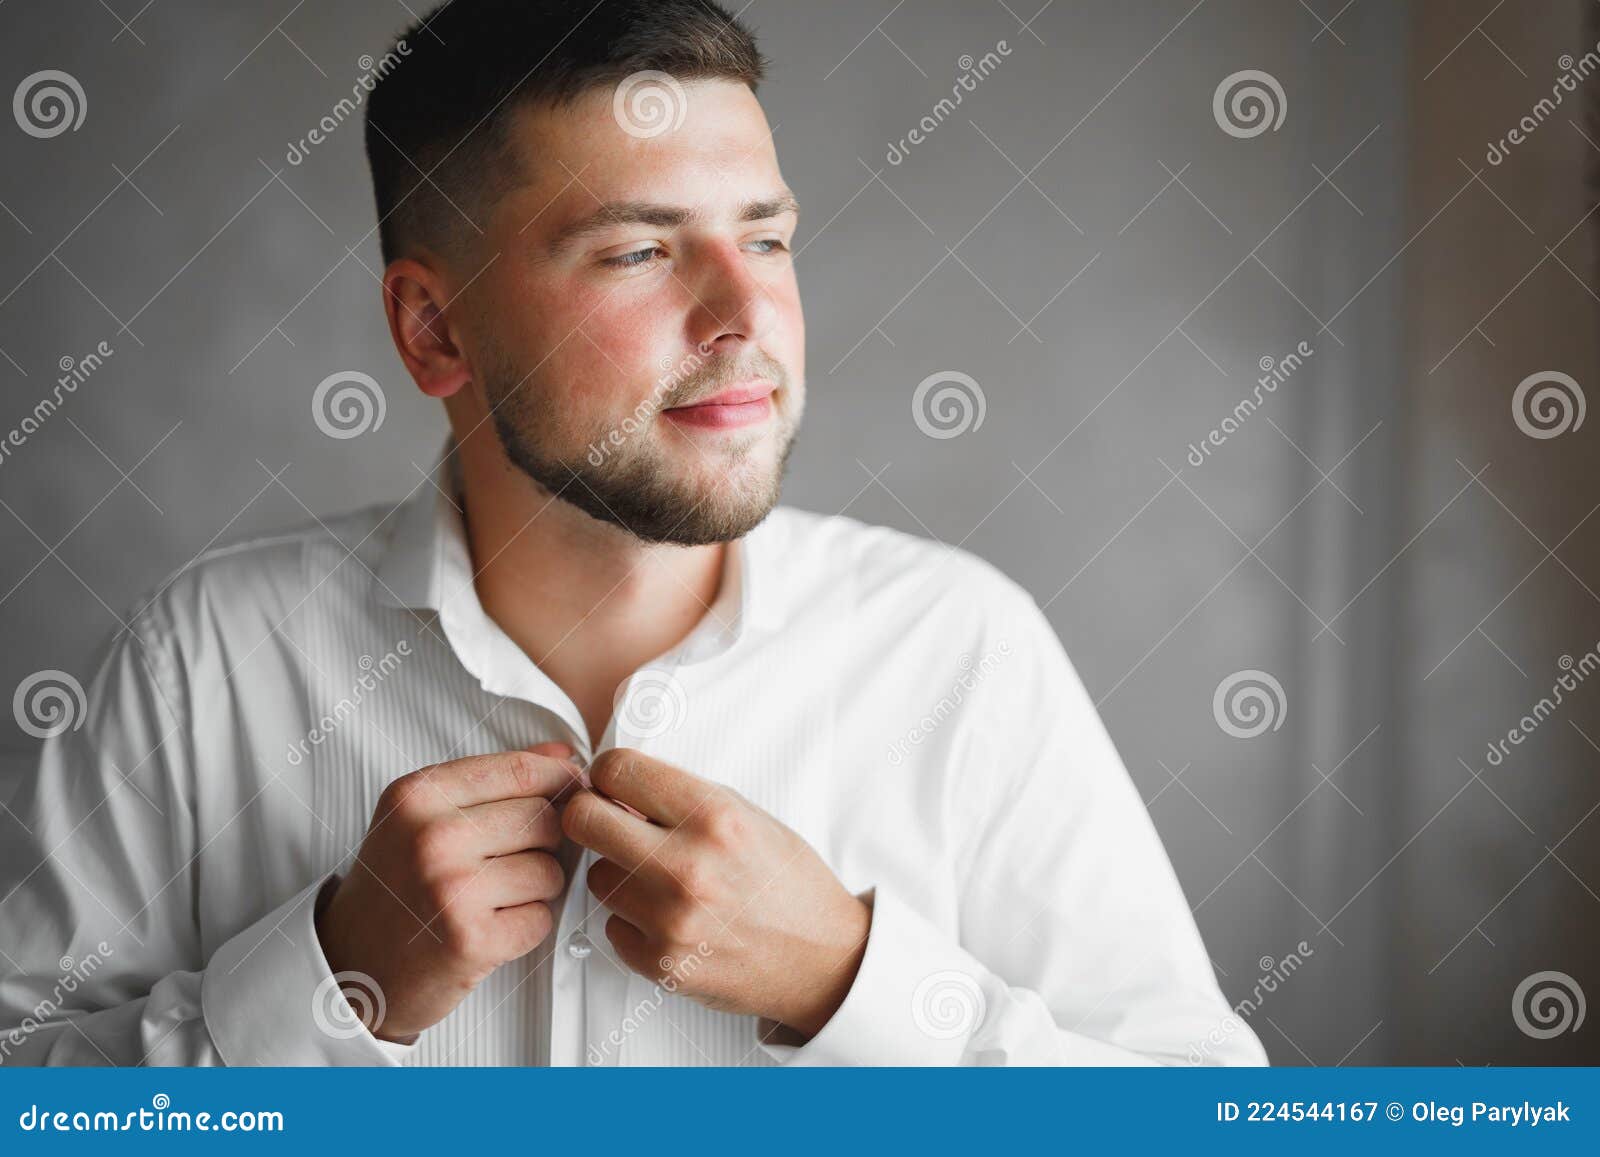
(427, 565)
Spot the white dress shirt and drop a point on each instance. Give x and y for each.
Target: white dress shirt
(902, 705)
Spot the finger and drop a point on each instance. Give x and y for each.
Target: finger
(659, 790)
(514, 825)
(517, 879)
(626, 893)
(475, 779)
(563, 751)
(519, 930)
(633, 947)
(599, 824)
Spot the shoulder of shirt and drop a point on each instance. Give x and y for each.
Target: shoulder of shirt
(883, 562)
(262, 575)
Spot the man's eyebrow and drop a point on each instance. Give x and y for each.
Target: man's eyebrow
(613, 213)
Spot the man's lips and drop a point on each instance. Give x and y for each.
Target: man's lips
(738, 405)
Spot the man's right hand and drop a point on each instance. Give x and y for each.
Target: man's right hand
(450, 882)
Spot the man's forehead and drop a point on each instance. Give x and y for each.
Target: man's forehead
(575, 179)
(710, 122)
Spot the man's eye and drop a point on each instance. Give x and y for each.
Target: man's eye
(636, 258)
(779, 245)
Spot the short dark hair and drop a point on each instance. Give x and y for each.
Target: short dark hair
(436, 123)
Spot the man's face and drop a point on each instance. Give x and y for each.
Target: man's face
(592, 345)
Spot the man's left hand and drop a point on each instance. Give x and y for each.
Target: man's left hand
(695, 872)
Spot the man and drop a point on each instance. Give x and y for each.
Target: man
(588, 753)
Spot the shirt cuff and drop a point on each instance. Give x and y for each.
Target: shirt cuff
(917, 999)
(269, 996)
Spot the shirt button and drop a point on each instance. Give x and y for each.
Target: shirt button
(579, 946)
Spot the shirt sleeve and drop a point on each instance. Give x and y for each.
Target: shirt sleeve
(100, 942)
(1075, 943)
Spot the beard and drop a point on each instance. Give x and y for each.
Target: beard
(624, 476)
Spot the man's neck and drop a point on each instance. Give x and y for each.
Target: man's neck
(586, 600)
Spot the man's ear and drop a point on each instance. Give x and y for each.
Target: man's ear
(413, 298)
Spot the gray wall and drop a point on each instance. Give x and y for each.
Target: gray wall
(1120, 267)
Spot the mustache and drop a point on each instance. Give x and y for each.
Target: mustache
(686, 387)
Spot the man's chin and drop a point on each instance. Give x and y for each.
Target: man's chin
(704, 508)
(667, 492)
